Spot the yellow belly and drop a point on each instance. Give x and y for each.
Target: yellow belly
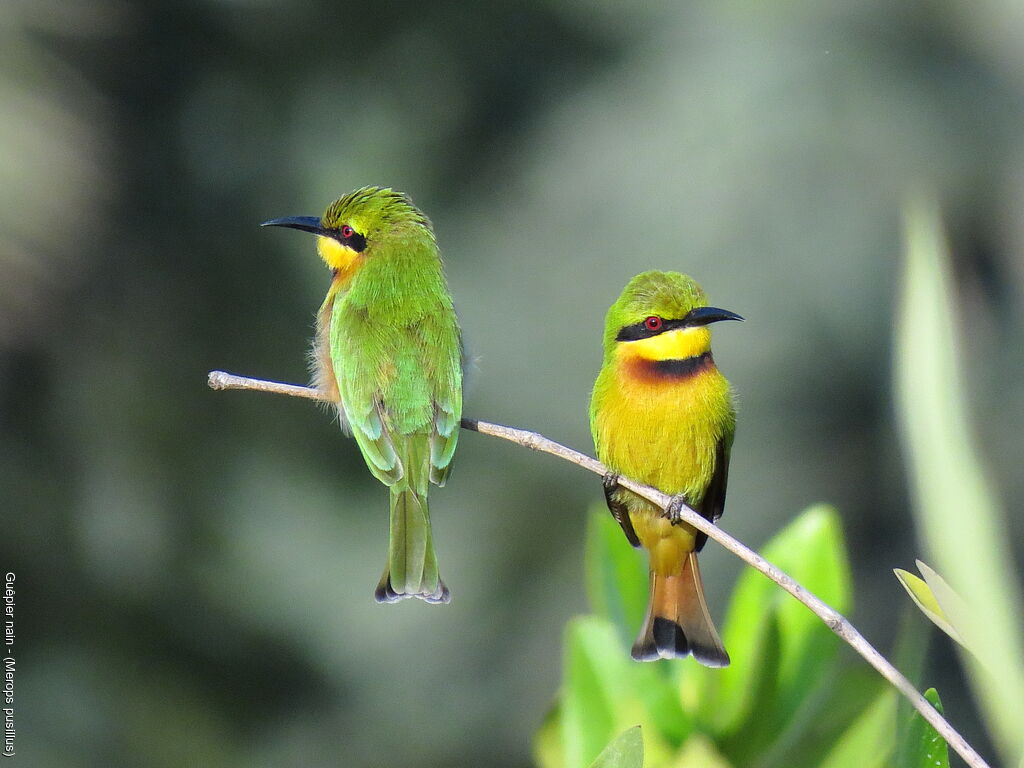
(664, 433)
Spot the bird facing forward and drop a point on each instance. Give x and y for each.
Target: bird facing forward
(662, 413)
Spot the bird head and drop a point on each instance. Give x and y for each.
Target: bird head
(354, 225)
(661, 316)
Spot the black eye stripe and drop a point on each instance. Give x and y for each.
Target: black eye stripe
(640, 330)
(355, 241)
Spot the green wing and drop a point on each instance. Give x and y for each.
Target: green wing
(374, 439)
(399, 385)
(445, 434)
(446, 397)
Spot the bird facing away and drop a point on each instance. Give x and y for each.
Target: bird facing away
(662, 414)
(388, 352)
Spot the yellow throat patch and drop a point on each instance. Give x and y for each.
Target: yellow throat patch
(678, 344)
(336, 255)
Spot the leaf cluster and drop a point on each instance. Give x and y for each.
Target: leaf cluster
(787, 700)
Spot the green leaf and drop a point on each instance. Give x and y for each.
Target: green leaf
(966, 624)
(616, 573)
(699, 752)
(922, 746)
(595, 683)
(870, 739)
(908, 655)
(850, 690)
(811, 550)
(957, 508)
(627, 751)
(548, 751)
(923, 596)
(656, 687)
(605, 691)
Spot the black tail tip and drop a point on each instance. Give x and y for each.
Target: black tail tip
(711, 657)
(666, 640)
(386, 593)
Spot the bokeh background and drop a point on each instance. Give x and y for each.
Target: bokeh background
(195, 569)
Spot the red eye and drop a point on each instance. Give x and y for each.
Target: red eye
(347, 231)
(653, 323)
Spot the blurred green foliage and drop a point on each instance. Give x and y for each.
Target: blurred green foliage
(197, 567)
(961, 518)
(785, 700)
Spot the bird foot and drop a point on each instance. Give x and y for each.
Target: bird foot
(610, 481)
(674, 510)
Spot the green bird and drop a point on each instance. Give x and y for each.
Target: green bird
(662, 413)
(388, 352)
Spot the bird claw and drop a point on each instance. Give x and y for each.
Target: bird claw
(610, 481)
(674, 510)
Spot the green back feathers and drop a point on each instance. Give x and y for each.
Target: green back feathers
(395, 343)
(668, 295)
(389, 330)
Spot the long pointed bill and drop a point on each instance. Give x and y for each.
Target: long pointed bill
(706, 315)
(305, 223)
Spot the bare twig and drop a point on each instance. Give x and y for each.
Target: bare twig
(832, 618)
(224, 380)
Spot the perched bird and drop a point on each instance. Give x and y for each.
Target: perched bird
(662, 414)
(388, 351)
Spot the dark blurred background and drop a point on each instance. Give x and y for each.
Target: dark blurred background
(195, 569)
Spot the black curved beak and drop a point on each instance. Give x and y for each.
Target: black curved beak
(304, 223)
(707, 315)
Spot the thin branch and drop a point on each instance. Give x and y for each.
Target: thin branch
(224, 380)
(832, 618)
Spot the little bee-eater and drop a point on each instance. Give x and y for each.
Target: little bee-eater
(388, 351)
(663, 414)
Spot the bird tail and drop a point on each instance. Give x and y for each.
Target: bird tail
(412, 565)
(678, 622)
